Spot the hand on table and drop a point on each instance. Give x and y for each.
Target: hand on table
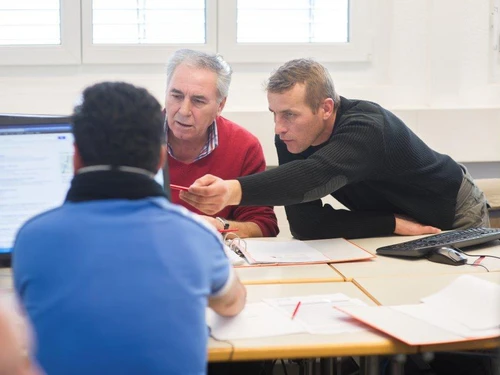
(406, 226)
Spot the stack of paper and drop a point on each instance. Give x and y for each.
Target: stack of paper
(273, 317)
(256, 320)
(316, 313)
(467, 309)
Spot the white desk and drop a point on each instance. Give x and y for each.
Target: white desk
(287, 274)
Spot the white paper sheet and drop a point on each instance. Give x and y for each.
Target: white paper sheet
(469, 300)
(317, 313)
(261, 251)
(464, 310)
(256, 320)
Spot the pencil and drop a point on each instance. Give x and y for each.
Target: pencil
(178, 187)
(295, 310)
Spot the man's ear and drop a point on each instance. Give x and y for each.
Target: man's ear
(221, 106)
(163, 157)
(328, 107)
(77, 159)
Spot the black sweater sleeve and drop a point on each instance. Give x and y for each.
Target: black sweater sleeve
(315, 220)
(353, 153)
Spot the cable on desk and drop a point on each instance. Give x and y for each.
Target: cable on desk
(479, 255)
(477, 265)
(231, 355)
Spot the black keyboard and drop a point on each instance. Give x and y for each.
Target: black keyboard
(456, 238)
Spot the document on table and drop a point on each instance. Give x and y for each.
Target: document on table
(279, 251)
(466, 309)
(256, 320)
(317, 313)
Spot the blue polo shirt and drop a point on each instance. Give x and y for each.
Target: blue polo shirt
(119, 286)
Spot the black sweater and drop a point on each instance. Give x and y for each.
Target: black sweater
(373, 164)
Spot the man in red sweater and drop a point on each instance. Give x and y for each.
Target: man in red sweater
(200, 141)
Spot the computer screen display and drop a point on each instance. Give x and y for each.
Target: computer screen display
(36, 168)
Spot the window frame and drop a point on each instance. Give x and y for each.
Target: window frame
(357, 49)
(144, 53)
(76, 46)
(66, 53)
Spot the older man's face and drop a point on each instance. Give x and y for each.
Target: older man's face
(191, 103)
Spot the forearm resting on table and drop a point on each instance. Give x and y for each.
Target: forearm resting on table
(232, 302)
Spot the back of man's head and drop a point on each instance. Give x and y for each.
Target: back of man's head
(118, 124)
(318, 82)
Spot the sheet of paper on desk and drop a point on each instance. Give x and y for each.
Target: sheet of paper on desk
(317, 314)
(471, 301)
(264, 251)
(452, 315)
(256, 320)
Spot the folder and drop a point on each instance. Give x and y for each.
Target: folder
(278, 251)
(465, 310)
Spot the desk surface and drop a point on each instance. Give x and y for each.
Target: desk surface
(402, 290)
(411, 289)
(306, 345)
(288, 274)
(383, 266)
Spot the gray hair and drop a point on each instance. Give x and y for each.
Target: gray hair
(318, 82)
(203, 60)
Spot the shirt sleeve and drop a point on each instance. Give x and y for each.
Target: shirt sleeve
(222, 273)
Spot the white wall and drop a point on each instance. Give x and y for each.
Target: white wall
(432, 63)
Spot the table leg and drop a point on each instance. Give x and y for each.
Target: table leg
(369, 365)
(398, 364)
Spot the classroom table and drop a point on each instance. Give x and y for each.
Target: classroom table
(304, 345)
(410, 289)
(287, 274)
(402, 290)
(384, 266)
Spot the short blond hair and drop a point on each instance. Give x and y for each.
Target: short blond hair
(318, 82)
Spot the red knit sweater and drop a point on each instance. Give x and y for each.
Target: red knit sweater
(238, 153)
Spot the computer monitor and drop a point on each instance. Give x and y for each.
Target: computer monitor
(36, 169)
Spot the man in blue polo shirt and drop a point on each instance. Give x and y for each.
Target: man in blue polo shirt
(117, 279)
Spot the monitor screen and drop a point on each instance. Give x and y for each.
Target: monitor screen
(36, 168)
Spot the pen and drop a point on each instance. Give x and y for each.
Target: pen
(178, 187)
(295, 310)
(227, 230)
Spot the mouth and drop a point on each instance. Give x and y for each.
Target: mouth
(182, 124)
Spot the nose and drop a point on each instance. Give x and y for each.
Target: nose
(185, 109)
(279, 127)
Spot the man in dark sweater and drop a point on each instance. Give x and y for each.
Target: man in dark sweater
(356, 151)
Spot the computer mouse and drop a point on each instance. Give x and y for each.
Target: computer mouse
(447, 255)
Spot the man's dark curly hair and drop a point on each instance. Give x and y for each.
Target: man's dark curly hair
(118, 124)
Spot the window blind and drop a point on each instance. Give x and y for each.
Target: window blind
(292, 21)
(30, 22)
(148, 21)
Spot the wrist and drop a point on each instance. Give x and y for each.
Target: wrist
(222, 223)
(235, 192)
